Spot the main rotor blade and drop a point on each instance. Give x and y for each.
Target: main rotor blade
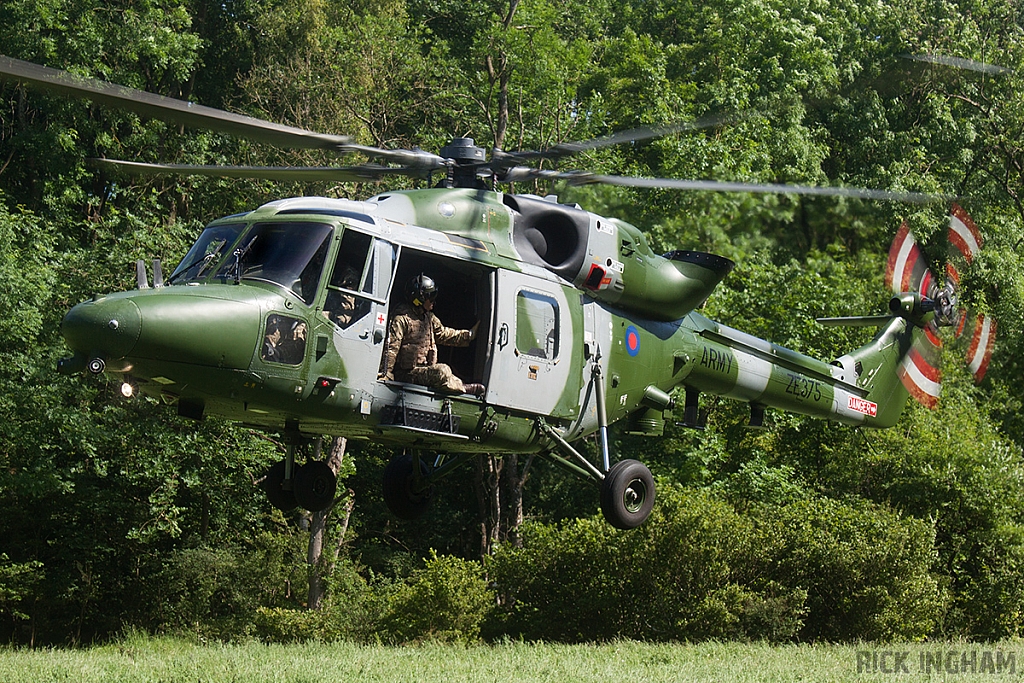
(960, 63)
(339, 174)
(632, 135)
(166, 108)
(417, 161)
(583, 178)
(767, 188)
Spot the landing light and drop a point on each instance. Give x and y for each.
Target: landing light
(127, 390)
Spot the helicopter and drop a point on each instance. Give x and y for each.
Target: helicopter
(278, 318)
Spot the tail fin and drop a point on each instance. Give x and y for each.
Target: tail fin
(879, 369)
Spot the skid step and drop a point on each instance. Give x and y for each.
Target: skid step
(420, 420)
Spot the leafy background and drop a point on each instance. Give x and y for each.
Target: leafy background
(118, 515)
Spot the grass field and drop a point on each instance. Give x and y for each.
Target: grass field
(167, 660)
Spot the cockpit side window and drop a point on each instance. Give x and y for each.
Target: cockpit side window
(284, 340)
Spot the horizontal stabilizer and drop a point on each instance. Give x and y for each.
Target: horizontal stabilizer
(856, 321)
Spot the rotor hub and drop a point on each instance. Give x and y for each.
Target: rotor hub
(463, 151)
(946, 312)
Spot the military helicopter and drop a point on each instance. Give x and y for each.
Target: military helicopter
(278, 318)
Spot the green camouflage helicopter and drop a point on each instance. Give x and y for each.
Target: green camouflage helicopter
(278, 318)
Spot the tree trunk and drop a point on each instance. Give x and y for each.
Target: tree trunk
(499, 489)
(318, 531)
(350, 504)
(488, 494)
(512, 482)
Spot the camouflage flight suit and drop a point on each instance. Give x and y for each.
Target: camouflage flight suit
(412, 349)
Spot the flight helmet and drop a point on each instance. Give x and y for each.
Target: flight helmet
(421, 289)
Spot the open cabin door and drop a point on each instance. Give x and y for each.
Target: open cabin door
(532, 346)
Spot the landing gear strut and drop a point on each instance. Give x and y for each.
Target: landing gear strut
(627, 487)
(273, 483)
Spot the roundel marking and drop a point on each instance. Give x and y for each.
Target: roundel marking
(632, 341)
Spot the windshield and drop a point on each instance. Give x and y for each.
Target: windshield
(288, 254)
(206, 252)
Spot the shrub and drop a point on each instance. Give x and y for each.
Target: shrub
(348, 613)
(215, 592)
(865, 569)
(697, 570)
(446, 601)
(673, 578)
(288, 625)
(204, 591)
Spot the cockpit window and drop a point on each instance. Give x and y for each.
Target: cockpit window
(284, 340)
(208, 250)
(288, 254)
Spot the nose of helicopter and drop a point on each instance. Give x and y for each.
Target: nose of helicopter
(117, 333)
(104, 328)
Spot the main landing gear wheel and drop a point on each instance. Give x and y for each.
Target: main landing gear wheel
(400, 488)
(627, 494)
(314, 485)
(278, 497)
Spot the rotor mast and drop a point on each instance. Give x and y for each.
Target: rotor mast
(463, 158)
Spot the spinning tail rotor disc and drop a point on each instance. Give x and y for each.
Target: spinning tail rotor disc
(907, 271)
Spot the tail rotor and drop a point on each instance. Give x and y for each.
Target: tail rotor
(907, 272)
(965, 240)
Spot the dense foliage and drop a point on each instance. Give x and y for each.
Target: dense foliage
(119, 515)
(809, 569)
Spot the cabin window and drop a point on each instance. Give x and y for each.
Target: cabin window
(536, 325)
(284, 340)
(361, 275)
(291, 255)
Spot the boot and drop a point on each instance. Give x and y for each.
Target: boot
(475, 389)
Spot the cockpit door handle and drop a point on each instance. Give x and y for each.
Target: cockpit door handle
(503, 336)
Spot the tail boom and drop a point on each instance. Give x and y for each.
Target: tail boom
(861, 388)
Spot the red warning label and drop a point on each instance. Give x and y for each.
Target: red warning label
(863, 406)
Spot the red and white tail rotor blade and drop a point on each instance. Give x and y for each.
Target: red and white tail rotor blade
(919, 370)
(983, 341)
(965, 241)
(907, 270)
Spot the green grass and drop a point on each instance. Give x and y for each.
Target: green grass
(167, 660)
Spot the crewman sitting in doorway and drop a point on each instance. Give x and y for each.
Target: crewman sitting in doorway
(413, 337)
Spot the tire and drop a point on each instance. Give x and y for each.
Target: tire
(627, 494)
(278, 497)
(399, 496)
(315, 485)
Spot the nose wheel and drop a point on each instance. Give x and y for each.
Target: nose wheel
(314, 485)
(406, 492)
(627, 494)
(311, 486)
